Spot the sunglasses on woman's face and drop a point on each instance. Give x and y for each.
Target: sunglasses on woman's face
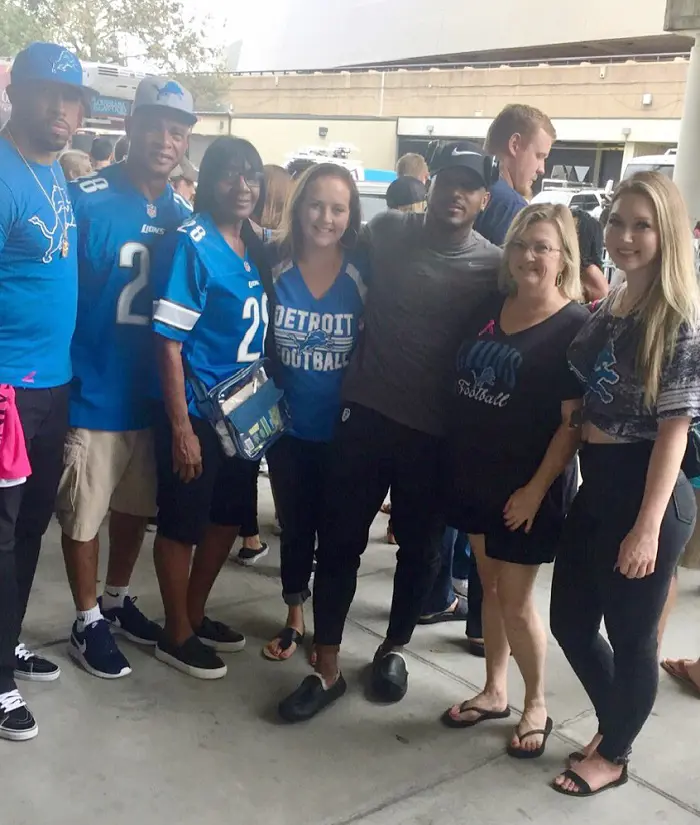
(234, 174)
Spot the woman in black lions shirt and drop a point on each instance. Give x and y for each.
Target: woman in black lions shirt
(511, 447)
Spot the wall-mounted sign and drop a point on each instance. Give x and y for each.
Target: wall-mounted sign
(110, 106)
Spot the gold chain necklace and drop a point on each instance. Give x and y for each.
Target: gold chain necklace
(65, 246)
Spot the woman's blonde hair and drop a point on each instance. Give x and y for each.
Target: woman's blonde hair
(673, 298)
(75, 164)
(563, 220)
(289, 237)
(417, 208)
(278, 185)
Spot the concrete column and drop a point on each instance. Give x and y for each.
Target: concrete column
(628, 154)
(595, 177)
(687, 174)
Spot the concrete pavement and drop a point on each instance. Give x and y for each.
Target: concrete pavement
(161, 748)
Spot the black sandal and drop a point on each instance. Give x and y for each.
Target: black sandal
(519, 753)
(584, 789)
(287, 637)
(484, 715)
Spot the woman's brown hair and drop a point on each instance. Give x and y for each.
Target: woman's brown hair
(278, 185)
(290, 238)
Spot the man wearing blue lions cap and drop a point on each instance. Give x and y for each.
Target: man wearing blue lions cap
(38, 296)
(122, 213)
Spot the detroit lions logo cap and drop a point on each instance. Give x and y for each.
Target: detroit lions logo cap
(164, 93)
(49, 63)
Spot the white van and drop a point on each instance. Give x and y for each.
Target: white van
(665, 164)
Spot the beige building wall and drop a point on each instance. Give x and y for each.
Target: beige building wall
(277, 138)
(563, 91)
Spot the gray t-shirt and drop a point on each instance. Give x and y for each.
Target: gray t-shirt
(417, 303)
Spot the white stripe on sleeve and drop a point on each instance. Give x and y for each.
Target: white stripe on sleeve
(175, 315)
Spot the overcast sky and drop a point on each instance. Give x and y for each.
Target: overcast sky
(237, 19)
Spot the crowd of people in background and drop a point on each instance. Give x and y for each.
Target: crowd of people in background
(462, 351)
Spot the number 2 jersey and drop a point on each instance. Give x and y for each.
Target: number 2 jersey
(211, 300)
(112, 348)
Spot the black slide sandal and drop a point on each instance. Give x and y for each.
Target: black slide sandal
(484, 715)
(584, 789)
(519, 753)
(287, 637)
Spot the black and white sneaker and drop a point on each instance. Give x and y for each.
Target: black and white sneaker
(16, 721)
(192, 658)
(34, 668)
(248, 557)
(220, 637)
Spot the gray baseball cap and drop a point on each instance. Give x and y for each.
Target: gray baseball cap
(185, 169)
(162, 93)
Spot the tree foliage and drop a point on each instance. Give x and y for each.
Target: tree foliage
(155, 32)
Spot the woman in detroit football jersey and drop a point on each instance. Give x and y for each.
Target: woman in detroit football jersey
(320, 291)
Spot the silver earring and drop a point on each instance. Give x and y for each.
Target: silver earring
(559, 280)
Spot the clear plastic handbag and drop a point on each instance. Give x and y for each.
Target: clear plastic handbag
(248, 411)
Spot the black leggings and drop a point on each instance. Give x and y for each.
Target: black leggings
(620, 677)
(298, 472)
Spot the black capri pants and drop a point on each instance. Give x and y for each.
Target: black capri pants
(224, 494)
(620, 677)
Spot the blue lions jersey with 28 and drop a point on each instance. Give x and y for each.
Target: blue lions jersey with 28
(118, 229)
(211, 300)
(315, 338)
(38, 273)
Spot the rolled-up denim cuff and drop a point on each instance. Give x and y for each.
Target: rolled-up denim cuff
(296, 599)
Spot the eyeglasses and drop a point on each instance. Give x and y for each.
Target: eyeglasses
(539, 249)
(251, 178)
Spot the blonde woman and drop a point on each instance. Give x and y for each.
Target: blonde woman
(638, 360)
(511, 447)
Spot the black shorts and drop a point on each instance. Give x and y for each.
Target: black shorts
(481, 513)
(224, 494)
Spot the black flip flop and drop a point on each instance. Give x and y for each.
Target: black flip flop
(484, 715)
(458, 614)
(583, 786)
(288, 636)
(519, 753)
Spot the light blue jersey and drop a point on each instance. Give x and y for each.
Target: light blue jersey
(211, 300)
(118, 229)
(38, 273)
(315, 338)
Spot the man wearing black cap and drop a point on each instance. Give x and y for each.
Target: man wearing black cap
(38, 298)
(429, 271)
(122, 214)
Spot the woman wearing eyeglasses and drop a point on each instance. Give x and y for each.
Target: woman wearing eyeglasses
(511, 447)
(210, 322)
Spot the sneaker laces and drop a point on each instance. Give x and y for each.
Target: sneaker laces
(12, 700)
(23, 653)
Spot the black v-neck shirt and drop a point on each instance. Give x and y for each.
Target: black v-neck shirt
(506, 400)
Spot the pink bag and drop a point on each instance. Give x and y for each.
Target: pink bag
(14, 461)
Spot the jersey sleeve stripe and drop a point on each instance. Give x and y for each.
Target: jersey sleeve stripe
(354, 273)
(175, 315)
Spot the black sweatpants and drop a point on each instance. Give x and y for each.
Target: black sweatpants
(620, 678)
(26, 510)
(369, 454)
(298, 472)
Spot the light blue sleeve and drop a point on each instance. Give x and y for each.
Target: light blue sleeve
(180, 287)
(8, 212)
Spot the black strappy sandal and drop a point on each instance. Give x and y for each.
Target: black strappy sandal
(287, 637)
(583, 789)
(519, 753)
